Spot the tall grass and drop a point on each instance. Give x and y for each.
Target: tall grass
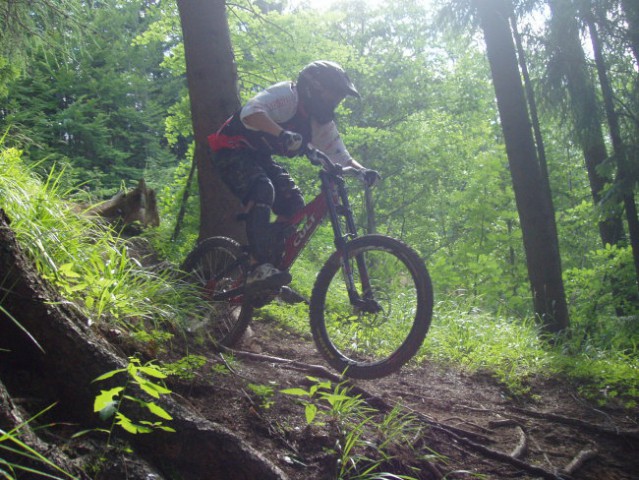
(89, 263)
(601, 364)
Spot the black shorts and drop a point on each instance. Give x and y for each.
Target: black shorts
(241, 169)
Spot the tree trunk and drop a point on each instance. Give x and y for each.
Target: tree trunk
(73, 356)
(623, 176)
(211, 76)
(532, 105)
(534, 207)
(631, 10)
(569, 54)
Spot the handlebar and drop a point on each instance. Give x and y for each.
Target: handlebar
(319, 158)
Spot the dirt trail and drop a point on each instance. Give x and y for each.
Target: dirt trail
(466, 427)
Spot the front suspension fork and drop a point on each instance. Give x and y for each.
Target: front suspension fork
(364, 302)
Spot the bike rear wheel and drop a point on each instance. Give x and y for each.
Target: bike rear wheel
(377, 343)
(214, 267)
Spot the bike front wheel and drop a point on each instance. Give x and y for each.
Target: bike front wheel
(214, 266)
(377, 337)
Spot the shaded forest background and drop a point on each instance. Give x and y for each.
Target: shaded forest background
(506, 134)
(96, 92)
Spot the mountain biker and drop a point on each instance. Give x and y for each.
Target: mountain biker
(281, 120)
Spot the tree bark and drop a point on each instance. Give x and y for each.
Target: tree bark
(212, 78)
(74, 355)
(12, 417)
(631, 10)
(624, 179)
(569, 54)
(535, 212)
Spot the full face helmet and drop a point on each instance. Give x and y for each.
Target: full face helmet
(321, 86)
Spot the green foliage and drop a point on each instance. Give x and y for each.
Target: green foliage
(110, 404)
(265, 394)
(600, 357)
(97, 105)
(18, 459)
(170, 197)
(89, 264)
(184, 368)
(359, 429)
(589, 284)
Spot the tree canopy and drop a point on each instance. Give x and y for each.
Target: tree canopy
(110, 102)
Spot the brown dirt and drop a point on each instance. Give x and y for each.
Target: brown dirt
(465, 426)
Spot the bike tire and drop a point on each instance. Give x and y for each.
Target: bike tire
(372, 345)
(227, 320)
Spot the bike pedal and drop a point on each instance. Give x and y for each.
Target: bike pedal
(288, 295)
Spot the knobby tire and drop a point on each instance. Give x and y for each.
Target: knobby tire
(372, 345)
(225, 321)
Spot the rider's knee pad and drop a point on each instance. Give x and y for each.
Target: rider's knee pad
(262, 192)
(289, 203)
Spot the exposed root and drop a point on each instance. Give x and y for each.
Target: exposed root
(461, 436)
(575, 422)
(577, 462)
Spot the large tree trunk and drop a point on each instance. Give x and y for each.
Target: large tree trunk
(211, 76)
(535, 211)
(624, 178)
(569, 56)
(631, 10)
(72, 355)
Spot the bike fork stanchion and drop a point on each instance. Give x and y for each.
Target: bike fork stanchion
(341, 243)
(367, 291)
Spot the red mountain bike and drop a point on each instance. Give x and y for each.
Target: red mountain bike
(372, 301)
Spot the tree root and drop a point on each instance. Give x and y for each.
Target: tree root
(577, 462)
(74, 356)
(461, 436)
(575, 422)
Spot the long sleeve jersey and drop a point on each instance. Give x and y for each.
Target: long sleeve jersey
(281, 103)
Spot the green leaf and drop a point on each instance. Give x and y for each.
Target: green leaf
(109, 374)
(105, 403)
(300, 392)
(151, 388)
(129, 426)
(152, 371)
(310, 412)
(67, 271)
(158, 411)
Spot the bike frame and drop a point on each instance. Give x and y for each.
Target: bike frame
(332, 201)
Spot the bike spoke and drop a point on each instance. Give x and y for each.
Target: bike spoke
(372, 337)
(214, 268)
(377, 334)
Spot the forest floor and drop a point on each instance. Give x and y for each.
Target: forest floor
(428, 421)
(463, 425)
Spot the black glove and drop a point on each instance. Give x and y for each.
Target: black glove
(292, 143)
(370, 177)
